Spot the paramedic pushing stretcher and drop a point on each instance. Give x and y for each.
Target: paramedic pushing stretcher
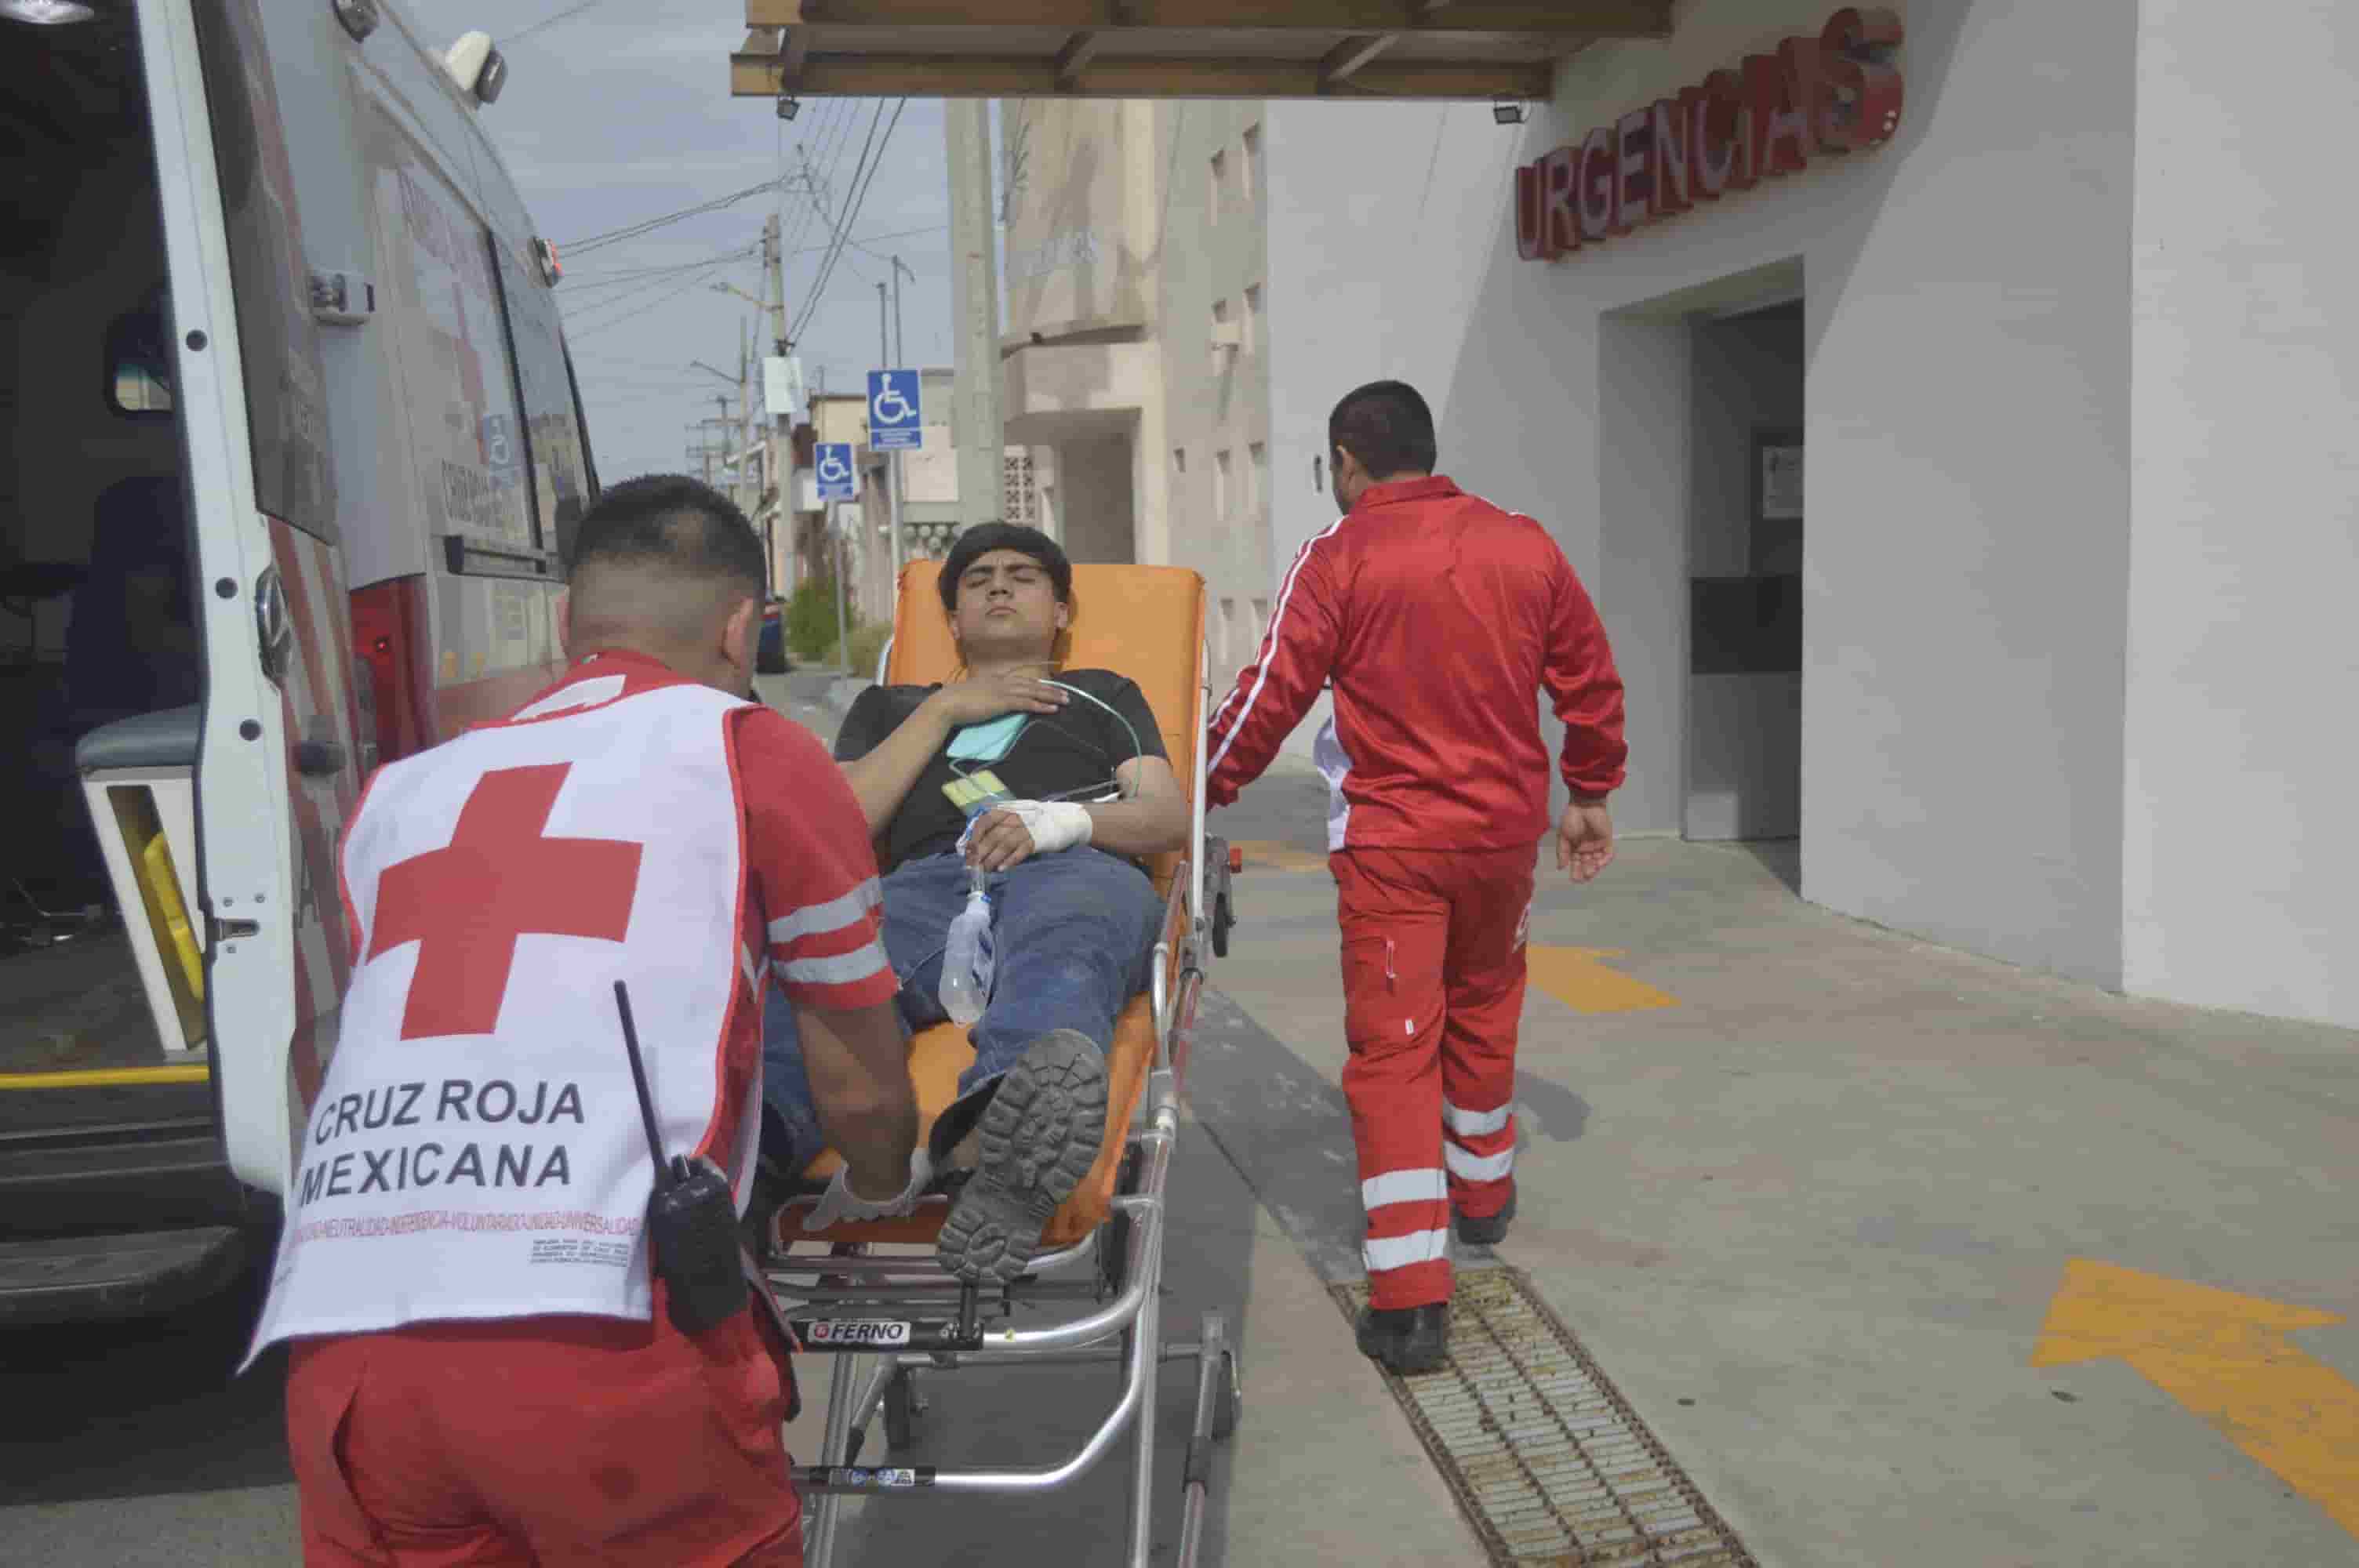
(1047, 785)
(1439, 618)
(485, 1369)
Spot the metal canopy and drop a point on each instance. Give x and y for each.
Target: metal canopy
(1174, 48)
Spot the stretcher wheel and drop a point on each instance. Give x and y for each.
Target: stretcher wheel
(1228, 1397)
(1223, 919)
(901, 1407)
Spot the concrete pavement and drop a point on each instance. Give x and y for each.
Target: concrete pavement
(1817, 1205)
(1814, 1220)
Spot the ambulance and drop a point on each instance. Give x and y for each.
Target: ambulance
(294, 450)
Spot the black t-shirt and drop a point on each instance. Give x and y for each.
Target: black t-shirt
(1071, 755)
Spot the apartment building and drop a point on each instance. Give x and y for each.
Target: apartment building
(1135, 366)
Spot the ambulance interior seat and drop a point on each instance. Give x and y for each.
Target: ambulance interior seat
(131, 677)
(130, 647)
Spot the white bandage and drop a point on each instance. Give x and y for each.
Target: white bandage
(1054, 824)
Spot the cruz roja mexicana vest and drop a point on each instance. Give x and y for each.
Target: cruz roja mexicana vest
(475, 1150)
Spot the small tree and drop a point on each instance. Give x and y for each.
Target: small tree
(811, 620)
(867, 646)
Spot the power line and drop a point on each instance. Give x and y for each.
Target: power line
(597, 280)
(551, 21)
(858, 241)
(576, 330)
(830, 142)
(852, 211)
(827, 267)
(644, 285)
(632, 231)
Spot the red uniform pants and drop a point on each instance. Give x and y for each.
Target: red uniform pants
(537, 1442)
(1433, 988)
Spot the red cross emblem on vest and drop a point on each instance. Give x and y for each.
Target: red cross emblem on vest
(498, 879)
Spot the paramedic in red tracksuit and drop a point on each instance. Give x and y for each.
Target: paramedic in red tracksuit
(484, 1368)
(1439, 618)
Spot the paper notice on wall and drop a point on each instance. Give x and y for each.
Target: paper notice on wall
(1781, 484)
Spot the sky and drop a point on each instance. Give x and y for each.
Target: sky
(620, 113)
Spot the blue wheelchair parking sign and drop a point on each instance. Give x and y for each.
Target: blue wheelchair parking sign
(837, 479)
(895, 420)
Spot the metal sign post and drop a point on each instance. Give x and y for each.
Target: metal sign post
(843, 630)
(838, 482)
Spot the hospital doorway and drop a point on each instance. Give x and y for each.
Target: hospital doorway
(1743, 709)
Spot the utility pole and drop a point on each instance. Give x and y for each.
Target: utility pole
(780, 423)
(744, 424)
(974, 310)
(774, 263)
(900, 343)
(705, 449)
(834, 517)
(893, 459)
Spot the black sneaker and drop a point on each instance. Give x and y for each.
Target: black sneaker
(1491, 1228)
(1040, 1136)
(1410, 1340)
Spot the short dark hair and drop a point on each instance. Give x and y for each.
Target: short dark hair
(985, 537)
(1386, 425)
(674, 523)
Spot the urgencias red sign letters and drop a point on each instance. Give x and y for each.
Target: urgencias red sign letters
(1838, 92)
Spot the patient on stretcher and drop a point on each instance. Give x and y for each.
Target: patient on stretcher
(1051, 786)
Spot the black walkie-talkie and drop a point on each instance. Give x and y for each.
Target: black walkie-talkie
(692, 1217)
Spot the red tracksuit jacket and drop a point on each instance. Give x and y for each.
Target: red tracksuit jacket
(1439, 619)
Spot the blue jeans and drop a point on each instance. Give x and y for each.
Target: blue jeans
(1072, 935)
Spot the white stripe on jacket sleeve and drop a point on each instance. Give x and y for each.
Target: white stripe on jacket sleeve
(1269, 649)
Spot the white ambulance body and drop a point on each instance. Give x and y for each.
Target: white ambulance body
(293, 452)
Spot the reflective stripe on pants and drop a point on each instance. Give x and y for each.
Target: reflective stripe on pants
(1433, 986)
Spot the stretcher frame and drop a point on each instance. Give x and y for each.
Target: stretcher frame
(883, 1320)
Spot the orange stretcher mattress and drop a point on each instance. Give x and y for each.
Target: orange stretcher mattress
(1146, 622)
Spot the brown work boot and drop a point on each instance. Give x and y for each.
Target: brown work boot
(1039, 1137)
(1410, 1340)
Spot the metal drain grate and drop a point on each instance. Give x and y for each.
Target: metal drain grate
(1546, 1460)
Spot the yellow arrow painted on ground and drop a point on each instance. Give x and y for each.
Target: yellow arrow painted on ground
(1269, 854)
(1571, 975)
(1575, 977)
(2226, 1357)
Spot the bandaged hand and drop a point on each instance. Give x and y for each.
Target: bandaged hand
(1015, 830)
(840, 1203)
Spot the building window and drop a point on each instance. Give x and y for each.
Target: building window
(1257, 477)
(1220, 484)
(1227, 633)
(1261, 621)
(1179, 460)
(1248, 163)
(1220, 186)
(1020, 493)
(1253, 318)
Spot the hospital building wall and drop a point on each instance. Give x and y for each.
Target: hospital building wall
(2025, 290)
(2241, 843)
